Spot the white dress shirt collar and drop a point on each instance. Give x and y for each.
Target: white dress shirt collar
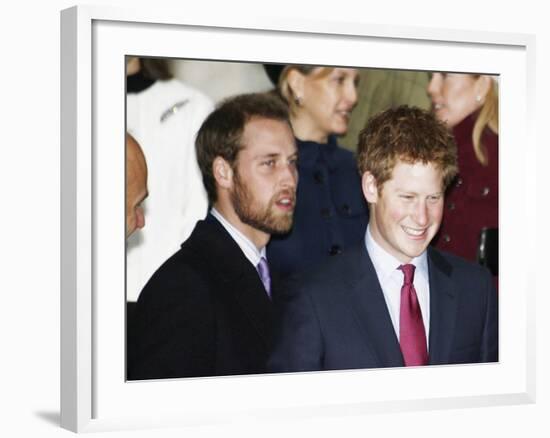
(391, 281)
(385, 264)
(251, 252)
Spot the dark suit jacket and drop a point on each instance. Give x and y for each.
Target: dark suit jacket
(204, 312)
(336, 318)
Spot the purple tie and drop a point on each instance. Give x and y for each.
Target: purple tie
(412, 335)
(263, 270)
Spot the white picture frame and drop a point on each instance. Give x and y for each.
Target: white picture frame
(94, 394)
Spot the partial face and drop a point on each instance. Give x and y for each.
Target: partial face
(406, 214)
(135, 218)
(133, 65)
(136, 187)
(455, 96)
(265, 178)
(327, 101)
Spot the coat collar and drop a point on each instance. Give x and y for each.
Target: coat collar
(137, 83)
(443, 307)
(370, 310)
(311, 153)
(241, 282)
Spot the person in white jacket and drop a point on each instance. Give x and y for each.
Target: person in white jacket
(163, 115)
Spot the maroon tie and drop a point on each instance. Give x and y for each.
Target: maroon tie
(412, 335)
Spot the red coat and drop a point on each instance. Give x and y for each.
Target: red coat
(471, 201)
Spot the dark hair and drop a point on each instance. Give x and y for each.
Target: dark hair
(221, 133)
(155, 68)
(408, 134)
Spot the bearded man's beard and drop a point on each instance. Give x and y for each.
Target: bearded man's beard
(264, 219)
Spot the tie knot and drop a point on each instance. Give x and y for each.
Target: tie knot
(408, 272)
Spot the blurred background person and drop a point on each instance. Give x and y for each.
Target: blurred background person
(164, 115)
(468, 104)
(136, 185)
(331, 213)
(380, 90)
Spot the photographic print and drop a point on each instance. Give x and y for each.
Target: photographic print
(192, 322)
(345, 352)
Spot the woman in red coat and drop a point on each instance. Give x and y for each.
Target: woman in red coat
(468, 103)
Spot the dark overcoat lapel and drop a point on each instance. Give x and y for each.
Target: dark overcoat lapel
(240, 281)
(443, 308)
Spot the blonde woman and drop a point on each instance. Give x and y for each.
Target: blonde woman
(468, 103)
(331, 214)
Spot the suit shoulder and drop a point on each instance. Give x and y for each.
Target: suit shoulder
(345, 153)
(180, 276)
(331, 272)
(345, 157)
(451, 262)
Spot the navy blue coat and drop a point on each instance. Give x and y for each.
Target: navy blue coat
(331, 213)
(336, 318)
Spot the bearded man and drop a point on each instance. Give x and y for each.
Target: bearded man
(208, 310)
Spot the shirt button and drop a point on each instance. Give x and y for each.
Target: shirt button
(485, 191)
(446, 238)
(319, 177)
(325, 212)
(335, 250)
(346, 209)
